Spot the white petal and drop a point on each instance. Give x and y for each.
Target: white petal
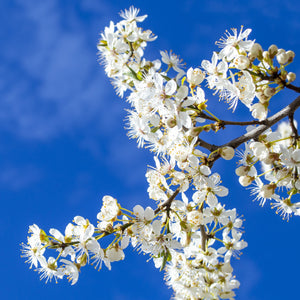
(171, 87)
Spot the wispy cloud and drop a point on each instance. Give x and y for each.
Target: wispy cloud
(50, 81)
(19, 177)
(249, 276)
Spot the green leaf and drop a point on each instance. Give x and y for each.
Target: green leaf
(138, 76)
(102, 43)
(166, 257)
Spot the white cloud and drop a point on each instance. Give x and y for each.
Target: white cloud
(53, 83)
(19, 177)
(249, 276)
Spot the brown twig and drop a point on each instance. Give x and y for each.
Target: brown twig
(203, 237)
(224, 122)
(168, 202)
(206, 145)
(294, 129)
(256, 132)
(292, 87)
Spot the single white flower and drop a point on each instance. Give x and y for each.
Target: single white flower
(71, 270)
(132, 15)
(115, 254)
(234, 43)
(109, 210)
(195, 76)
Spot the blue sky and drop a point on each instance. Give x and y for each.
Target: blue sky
(64, 145)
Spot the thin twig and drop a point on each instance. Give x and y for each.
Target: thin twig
(203, 237)
(206, 145)
(256, 132)
(294, 129)
(168, 202)
(224, 122)
(292, 87)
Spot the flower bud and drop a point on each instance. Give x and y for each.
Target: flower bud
(227, 152)
(282, 58)
(290, 54)
(291, 76)
(272, 51)
(195, 76)
(268, 159)
(227, 268)
(242, 171)
(267, 190)
(269, 91)
(256, 51)
(245, 180)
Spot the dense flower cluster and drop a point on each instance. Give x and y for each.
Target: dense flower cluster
(191, 235)
(279, 157)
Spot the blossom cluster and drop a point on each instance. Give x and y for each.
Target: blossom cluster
(277, 154)
(190, 234)
(174, 237)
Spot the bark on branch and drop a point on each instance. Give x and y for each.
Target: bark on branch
(256, 132)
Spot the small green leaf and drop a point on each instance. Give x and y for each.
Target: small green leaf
(102, 43)
(166, 257)
(133, 74)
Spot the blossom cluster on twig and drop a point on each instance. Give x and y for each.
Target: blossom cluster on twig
(190, 234)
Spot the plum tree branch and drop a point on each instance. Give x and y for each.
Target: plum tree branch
(168, 202)
(289, 110)
(292, 87)
(222, 123)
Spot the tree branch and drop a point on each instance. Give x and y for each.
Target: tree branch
(203, 237)
(292, 87)
(224, 122)
(294, 129)
(286, 111)
(168, 202)
(206, 145)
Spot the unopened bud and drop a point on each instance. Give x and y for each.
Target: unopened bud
(256, 51)
(269, 91)
(291, 55)
(272, 51)
(282, 58)
(267, 190)
(242, 171)
(259, 110)
(291, 76)
(227, 152)
(195, 76)
(245, 180)
(115, 253)
(280, 51)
